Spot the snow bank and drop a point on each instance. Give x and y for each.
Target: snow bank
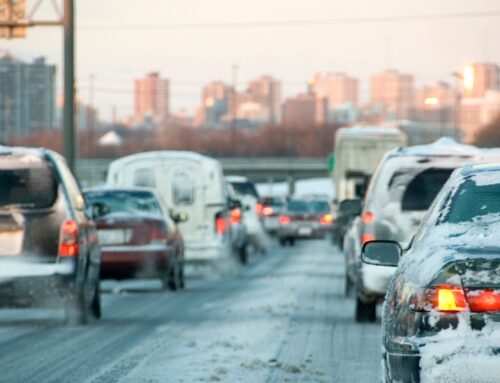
(462, 355)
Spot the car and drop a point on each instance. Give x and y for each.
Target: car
(237, 228)
(138, 238)
(244, 189)
(443, 301)
(304, 219)
(49, 254)
(358, 151)
(270, 209)
(191, 184)
(399, 194)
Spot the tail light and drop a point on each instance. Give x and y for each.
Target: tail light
(268, 210)
(158, 234)
(259, 208)
(483, 300)
(68, 239)
(220, 224)
(367, 238)
(446, 298)
(367, 217)
(284, 219)
(327, 219)
(236, 215)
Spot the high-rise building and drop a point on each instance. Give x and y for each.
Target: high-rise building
(479, 78)
(338, 88)
(477, 112)
(215, 104)
(305, 110)
(152, 99)
(27, 96)
(266, 92)
(435, 103)
(393, 90)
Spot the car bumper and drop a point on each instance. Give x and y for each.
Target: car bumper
(375, 279)
(305, 230)
(271, 224)
(127, 261)
(209, 251)
(30, 284)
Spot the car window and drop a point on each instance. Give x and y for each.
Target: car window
(320, 207)
(27, 180)
(471, 202)
(130, 202)
(423, 188)
(144, 177)
(183, 188)
(298, 206)
(245, 188)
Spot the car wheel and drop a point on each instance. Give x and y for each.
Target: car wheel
(291, 241)
(283, 241)
(96, 307)
(243, 254)
(76, 311)
(366, 312)
(182, 279)
(173, 278)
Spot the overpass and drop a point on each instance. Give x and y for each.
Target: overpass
(92, 172)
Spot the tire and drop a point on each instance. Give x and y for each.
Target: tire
(366, 312)
(283, 242)
(96, 307)
(291, 241)
(182, 279)
(243, 255)
(77, 313)
(171, 282)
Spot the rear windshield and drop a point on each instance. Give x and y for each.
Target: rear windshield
(298, 206)
(245, 188)
(472, 201)
(320, 207)
(417, 190)
(26, 180)
(129, 202)
(274, 202)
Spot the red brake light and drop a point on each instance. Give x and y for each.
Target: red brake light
(483, 300)
(68, 239)
(367, 217)
(284, 219)
(367, 238)
(267, 210)
(326, 219)
(447, 298)
(259, 207)
(235, 215)
(158, 234)
(220, 224)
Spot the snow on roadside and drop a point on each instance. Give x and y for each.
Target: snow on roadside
(462, 355)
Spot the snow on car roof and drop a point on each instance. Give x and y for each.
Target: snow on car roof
(442, 147)
(236, 179)
(167, 154)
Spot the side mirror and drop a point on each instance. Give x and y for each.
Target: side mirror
(180, 217)
(350, 207)
(381, 253)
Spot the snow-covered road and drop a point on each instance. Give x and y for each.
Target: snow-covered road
(283, 318)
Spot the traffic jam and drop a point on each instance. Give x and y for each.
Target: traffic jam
(410, 238)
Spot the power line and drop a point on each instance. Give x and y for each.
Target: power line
(294, 23)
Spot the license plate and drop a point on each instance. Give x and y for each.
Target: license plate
(114, 237)
(11, 242)
(305, 231)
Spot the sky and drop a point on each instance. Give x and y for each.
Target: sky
(193, 56)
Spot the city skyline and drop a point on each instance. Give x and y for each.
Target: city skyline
(190, 56)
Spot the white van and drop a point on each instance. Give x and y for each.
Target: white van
(189, 183)
(358, 151)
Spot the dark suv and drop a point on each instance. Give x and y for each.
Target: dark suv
(49, 253)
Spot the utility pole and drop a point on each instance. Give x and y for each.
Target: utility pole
(234, 107)
(69, 134)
